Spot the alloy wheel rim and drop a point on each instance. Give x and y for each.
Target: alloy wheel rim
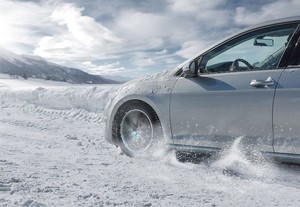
(136, 131)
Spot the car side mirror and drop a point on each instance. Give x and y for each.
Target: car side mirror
(191, 70)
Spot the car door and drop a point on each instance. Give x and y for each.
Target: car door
(286, 114)
(232, 96)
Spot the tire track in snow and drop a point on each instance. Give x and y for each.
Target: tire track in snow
(47, 149)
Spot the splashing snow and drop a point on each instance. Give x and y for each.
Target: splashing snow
(235, 162)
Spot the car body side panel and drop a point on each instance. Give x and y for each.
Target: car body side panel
(286, 113)
(213, 110)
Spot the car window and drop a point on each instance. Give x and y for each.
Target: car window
(258, 50)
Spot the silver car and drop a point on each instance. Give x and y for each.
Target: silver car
(247, 85)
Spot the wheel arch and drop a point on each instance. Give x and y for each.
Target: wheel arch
(161, 116)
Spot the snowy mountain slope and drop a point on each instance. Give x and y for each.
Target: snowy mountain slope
(37, 67)
(120, 79)
(53, 153)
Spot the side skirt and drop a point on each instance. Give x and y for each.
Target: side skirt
(279, 157)
(193, 149)
(283, 157)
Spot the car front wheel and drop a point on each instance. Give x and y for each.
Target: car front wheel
(137, 128)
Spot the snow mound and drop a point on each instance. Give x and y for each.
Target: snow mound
(77, 101)
(92, 99)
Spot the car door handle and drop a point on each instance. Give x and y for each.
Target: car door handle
(262, 83)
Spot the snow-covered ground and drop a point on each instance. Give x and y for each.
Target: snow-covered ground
(53, 153)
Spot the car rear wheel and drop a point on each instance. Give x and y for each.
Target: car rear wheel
(138, 130)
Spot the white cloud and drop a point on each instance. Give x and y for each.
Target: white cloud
(162, 52)
(142, 25)
(171, 61)
(142, 59)
(207, 13)
(191, 48)
(209, 18)
(78, 36)
(19, 25)
(273, 10)
(215, 18)
(82, 28)
(111, 68)
(142, 31)
(193, 7)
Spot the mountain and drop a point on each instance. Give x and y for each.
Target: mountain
(118, 78)
(37, 67)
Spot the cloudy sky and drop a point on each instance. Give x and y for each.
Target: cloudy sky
(127, 37)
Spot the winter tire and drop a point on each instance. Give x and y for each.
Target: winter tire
(137, 128)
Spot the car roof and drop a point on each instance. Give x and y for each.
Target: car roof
(262, 24)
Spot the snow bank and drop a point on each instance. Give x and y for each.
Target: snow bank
(55, 95)
(54, 98)
(92, 99)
